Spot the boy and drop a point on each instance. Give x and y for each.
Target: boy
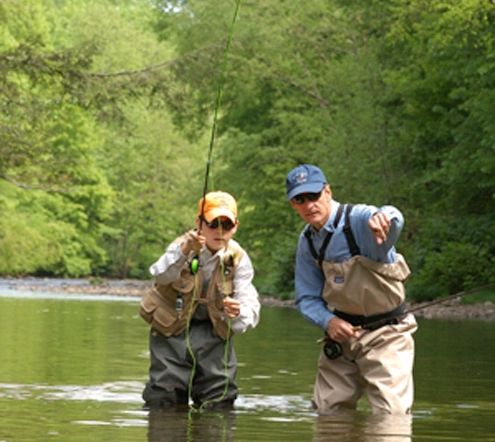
(203, 293)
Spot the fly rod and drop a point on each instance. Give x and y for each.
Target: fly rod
(333, 349)
(194, 266)
(429, 304)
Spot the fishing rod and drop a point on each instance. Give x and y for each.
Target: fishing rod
(333, 349)
(450, 298)
(460, 294)
(194, 266)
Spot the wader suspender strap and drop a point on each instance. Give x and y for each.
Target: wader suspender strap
(319, 257)
(351, 241)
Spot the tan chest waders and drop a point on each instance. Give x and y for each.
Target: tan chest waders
(368, 295)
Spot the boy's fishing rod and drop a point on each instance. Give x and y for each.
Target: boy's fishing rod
(194, 266)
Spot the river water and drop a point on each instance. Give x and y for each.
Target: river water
(72, 368)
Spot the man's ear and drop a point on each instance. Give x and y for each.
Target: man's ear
(328, 190)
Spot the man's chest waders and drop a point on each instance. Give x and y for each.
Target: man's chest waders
(369, 295)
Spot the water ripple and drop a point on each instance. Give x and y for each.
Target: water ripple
(130, 392)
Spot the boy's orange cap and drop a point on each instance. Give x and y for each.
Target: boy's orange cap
(218, 204)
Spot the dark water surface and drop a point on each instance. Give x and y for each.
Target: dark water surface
(72, 369)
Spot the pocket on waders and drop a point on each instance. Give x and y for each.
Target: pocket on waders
(148, 305)
(158, 312)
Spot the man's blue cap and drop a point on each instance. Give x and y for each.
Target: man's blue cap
(305, 178)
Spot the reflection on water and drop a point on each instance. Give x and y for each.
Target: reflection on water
(180, 426)
(357, 427)
(74, 371)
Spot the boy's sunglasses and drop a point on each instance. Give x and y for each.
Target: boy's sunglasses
(226, 224)
(303, 197)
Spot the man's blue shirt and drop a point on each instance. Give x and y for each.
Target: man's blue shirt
(309, 279)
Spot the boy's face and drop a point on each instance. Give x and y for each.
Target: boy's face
(218, 232)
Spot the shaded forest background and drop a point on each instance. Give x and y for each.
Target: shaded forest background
(106, 112)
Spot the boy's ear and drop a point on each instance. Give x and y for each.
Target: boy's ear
(236, 225)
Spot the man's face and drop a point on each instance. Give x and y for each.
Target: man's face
(314, 212)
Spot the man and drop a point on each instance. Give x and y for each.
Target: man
(349, 281)
(203, 293)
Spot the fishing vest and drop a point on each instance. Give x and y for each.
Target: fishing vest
(359, 286)
(169, 308)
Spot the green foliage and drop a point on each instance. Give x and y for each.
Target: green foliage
(36, 240)
(392, 99)
(157, 179)
(104, 176)
(106, 110)
(457, 266)
(443, 73)
(482, 296)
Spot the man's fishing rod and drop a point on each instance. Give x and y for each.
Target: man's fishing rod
(460, 294)
(450, 298)
(333, 349)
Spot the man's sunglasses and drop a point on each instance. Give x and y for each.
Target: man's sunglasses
(303, 197)
(226, 224)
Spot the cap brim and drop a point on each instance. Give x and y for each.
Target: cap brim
(305, 188)
(217, 213)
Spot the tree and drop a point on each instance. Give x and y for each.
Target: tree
(387, 97)
(65, 94)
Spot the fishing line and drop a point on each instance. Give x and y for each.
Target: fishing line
(225, 352)
(191, 351)
(194, 265)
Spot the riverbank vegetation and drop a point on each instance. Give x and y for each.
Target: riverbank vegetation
(106, 111)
